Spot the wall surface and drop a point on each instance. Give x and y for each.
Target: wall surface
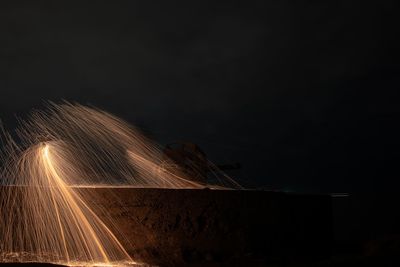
(188, 227)
(181, 227)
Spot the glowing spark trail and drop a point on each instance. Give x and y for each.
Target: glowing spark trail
(44, 217)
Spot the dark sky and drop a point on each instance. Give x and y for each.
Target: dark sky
(301, 93)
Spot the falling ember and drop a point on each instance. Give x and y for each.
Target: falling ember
(44, 218)
(49, 221)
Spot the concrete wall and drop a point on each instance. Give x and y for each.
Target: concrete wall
(182, 227)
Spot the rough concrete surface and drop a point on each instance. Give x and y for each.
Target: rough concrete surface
(224, 227)
(203, 227)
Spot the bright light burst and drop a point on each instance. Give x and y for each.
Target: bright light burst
(44, 218)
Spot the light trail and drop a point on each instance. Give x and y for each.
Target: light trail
(64, 148)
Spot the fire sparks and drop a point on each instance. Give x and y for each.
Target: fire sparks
(44, 218)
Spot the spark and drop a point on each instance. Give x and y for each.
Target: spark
(66, 147)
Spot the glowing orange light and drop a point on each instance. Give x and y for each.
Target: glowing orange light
(45, 219)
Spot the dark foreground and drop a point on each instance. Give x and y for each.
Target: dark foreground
(245, 228)
(217, 227)
(166, 227)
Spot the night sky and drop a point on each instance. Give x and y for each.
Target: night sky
(301, 93)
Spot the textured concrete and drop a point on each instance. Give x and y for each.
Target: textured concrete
(182, 227)
(214, 227)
